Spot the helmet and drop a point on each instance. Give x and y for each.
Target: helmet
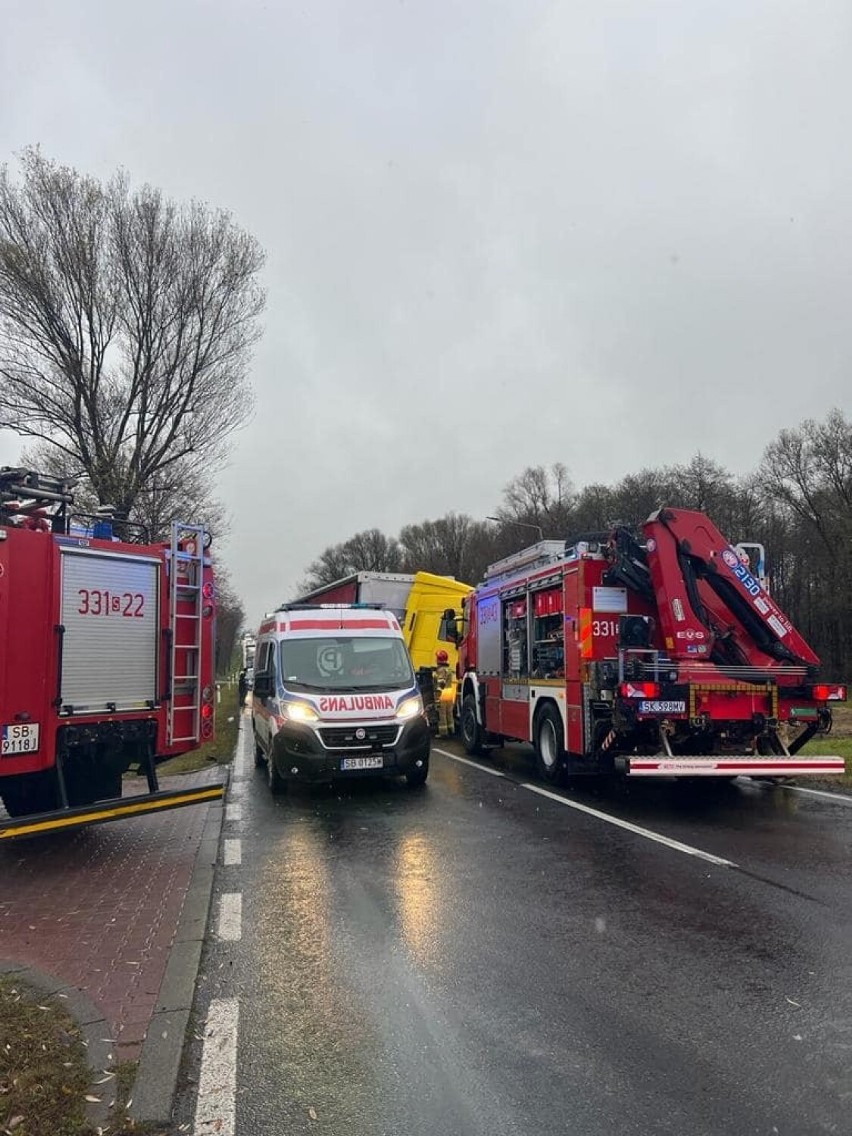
(442, 657)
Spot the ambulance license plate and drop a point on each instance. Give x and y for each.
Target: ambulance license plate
(21, 737)
(374, 762)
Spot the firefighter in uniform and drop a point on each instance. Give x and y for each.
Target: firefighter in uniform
(444, 680)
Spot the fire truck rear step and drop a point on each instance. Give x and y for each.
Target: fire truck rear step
(64, 820)
(732, 765)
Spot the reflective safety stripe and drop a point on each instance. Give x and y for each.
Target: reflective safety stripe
(585, 627)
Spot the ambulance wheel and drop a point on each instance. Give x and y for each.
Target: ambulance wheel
(549, 744)
(259, 755)
(417, 776)
(473, 736)
(277, 784)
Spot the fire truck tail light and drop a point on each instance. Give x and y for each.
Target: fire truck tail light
(639, 690)
(207, 711)
(207, 729)
(207, 694)
(826, 693)
(207, 610)
(208, 590)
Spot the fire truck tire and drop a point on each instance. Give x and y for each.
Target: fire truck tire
(473, 736)
(549, 744)
(277, 784)
(33, 793)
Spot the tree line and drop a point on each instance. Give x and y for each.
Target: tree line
(797, 503)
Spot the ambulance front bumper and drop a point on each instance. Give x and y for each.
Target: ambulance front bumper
(300, 755)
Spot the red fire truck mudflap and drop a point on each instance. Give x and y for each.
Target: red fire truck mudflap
(66, 820)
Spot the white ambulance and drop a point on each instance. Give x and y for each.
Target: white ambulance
(335, 697)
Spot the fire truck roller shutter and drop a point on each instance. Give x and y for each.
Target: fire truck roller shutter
(110, 612)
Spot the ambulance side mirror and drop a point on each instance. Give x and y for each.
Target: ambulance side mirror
(263, 685)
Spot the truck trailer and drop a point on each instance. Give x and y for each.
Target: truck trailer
(650, 654)
(420, 601)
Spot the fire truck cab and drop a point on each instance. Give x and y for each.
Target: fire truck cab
(650, 655)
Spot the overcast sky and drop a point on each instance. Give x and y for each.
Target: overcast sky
(499, 232)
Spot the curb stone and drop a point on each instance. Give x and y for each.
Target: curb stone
(159, 1065)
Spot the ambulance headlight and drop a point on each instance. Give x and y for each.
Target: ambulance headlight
(410, 708)
(300, 712)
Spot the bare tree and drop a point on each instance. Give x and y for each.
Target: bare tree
(126, 326)
(541, 496)
(367, 551)
(230, 617)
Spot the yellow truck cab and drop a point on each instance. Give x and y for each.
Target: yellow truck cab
(335, 696)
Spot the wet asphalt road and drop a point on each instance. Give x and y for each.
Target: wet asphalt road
(474, 959)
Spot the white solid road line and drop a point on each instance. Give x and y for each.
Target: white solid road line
(836, 797)
(231, 917)
(472, 764)
(626, 824)
(635, 828)
(215, 1109)
(233, 852)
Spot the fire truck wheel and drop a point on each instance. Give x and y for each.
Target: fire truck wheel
(277, 784)
(549, 745)
(471, 731)
(33, 793)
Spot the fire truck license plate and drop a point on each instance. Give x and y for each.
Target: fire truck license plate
(662, 707)
(22, 737)
(375, 762)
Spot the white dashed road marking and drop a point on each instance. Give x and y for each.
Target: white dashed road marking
(233, 812)
(233, 852)
(215, 1110)
(231, 917)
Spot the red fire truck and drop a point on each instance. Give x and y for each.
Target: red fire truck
(652, 654)
(107, 658)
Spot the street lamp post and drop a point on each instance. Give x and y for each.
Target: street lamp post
(521, 524)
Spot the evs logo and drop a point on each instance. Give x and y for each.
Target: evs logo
(730, 558)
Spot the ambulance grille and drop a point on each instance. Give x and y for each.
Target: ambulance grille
(345, 737)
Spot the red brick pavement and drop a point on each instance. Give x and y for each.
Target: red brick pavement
(99, 908)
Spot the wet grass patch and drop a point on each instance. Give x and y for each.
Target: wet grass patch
(45, 1080)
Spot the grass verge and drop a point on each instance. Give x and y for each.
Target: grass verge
(44, 1077)
(838, 742)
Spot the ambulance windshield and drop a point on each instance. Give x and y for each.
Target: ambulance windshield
(345, 663)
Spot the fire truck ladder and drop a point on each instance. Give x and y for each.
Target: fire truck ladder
(185, 604)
